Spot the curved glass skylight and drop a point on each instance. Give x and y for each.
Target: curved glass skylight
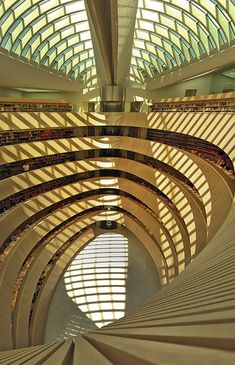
(171, 33)
(168, 34)
(96, 279)
(53, 33)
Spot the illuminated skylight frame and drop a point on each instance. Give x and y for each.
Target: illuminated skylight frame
(96, 279)
(53, 33)
(177, 32)
(229, 73)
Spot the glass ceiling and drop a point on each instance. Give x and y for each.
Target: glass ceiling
(168, 34)
(52, 33)
(230, 73)
(171, 33)
(96, 279)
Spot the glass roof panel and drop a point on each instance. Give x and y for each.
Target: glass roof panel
(168, 34)
(42, 30)
(180, 31)
(100, 290)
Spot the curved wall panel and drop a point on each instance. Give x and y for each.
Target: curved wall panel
(168, 178)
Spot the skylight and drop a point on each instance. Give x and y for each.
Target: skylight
(175, 32)
(169, 34)
(52, 33)
(96, 279)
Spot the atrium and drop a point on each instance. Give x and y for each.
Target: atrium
(117, 235)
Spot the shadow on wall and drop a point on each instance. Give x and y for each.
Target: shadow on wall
(142, 278)
(65, 319)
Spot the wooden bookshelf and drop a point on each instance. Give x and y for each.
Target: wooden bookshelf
(16, 137)
(29, 105)
(211, 103)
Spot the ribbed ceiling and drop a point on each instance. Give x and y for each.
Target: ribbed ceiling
(52, 33)
(168, 34)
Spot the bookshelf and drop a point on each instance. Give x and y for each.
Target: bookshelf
(29, 105)
(211, 103)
